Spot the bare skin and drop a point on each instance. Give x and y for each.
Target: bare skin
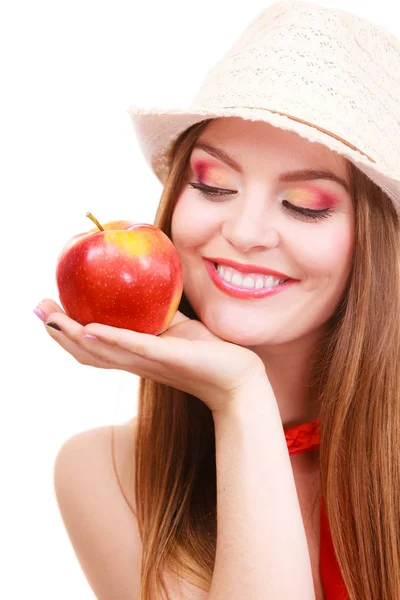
(307, 486)
(267, 340)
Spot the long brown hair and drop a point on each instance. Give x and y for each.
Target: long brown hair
(356, 382)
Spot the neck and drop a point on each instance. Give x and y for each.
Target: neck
(288, 370)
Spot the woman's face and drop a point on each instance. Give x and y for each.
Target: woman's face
(255, 225)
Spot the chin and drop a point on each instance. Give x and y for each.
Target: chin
(243, 333)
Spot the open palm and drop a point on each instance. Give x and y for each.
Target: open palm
(186, 356)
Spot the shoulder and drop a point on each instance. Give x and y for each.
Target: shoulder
(101, 526)
(95, 495)
(107, 450)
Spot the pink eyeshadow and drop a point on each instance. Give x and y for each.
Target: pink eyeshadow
(303, 194)
(310, 196)
(200, 168)
(209, 173)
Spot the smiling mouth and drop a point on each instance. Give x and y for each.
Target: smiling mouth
(262, 287)
(254, 276)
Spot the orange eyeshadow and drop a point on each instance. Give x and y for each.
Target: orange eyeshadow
(312, 197)
(209, 173)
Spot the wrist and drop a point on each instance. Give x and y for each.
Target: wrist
(250, 398)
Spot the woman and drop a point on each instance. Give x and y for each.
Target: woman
(265, 458)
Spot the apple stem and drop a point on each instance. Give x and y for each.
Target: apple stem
(95, 221)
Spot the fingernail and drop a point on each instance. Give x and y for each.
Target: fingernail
(39, 313)
(54, 325)
(87, 335)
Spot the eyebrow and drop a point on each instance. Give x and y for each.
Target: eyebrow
(290, 176)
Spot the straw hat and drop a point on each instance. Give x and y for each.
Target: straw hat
(325, 74)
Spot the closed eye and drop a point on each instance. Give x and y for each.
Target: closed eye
(212, 192)
(208, 190)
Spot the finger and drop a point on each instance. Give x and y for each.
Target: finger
(148, 346)
(144, 355)
(69, 339)
(48, 306)
(78, 352)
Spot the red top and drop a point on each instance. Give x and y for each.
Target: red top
(300, 439)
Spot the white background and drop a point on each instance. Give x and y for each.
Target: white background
(68, 72)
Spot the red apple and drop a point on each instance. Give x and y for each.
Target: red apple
(122, 274)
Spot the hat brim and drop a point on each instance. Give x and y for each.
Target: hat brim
(157, 129)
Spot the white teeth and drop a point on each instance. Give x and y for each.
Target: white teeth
(237, 280)
(247, 281)
(271, 281)
(225, 274)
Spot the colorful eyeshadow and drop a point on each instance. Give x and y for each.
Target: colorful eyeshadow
(302, 194)
(209, 173)
(308, 196)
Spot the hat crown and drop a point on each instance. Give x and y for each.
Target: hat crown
(328, 75)
(318, 65)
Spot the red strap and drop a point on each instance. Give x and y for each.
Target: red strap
(303, 437)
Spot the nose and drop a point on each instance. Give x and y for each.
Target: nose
(250, 227)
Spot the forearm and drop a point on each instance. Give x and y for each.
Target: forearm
(262, 550)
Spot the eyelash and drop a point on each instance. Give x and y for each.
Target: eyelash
(312, 215)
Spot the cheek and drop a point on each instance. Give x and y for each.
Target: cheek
(327, 255)
(191, 223)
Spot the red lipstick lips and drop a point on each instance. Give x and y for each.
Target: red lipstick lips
(246, 268)
(244, 292)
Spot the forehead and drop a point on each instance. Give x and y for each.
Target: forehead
(254, 142)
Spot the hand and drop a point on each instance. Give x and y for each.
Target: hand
(186, 356)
